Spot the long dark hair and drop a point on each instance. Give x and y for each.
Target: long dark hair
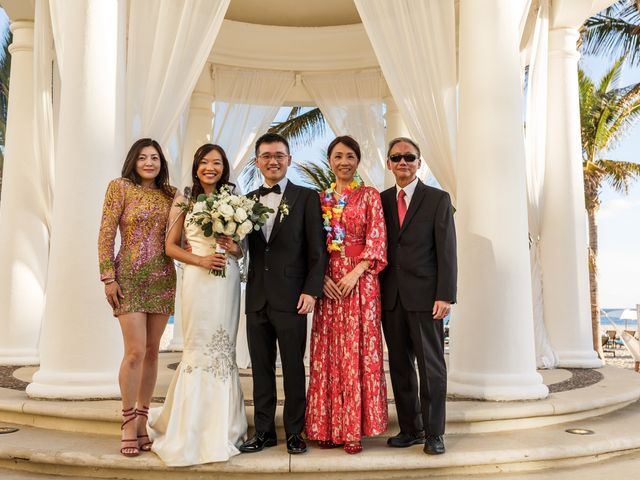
(129, 167)
(197, 188)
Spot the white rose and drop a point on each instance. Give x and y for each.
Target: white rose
(230, 228)
(226, 210)
(240, 215)
(218, 226)
(235, 200)
(244, 228)
(198, 207)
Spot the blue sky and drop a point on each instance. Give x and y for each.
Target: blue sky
(619, 219)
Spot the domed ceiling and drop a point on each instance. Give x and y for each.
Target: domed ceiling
(294, 13)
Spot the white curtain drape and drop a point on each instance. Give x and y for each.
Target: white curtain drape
(415, 43)
(352, 105)
(246, 102)
(169, 42)
(43, 143)
(535, 146)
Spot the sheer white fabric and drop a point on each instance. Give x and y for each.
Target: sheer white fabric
(415, 43)
(352, 105)
(246, 103)
(203, 419)
(169, 42)
(535, 138)
(43, 143)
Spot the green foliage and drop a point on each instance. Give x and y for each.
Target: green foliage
(317, 175)
(607, 114)
(614, 32)
(5, 68)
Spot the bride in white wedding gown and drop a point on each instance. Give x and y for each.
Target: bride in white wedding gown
(203, 418)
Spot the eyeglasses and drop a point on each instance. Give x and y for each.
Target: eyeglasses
(279, 157)
(408, 157)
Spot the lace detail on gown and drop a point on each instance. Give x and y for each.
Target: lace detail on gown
(221, 351)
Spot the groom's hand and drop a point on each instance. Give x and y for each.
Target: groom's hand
(305, 304)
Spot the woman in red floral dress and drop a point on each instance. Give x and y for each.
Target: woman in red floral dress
(347, 395)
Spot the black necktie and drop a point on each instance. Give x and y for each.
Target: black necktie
(266, 190)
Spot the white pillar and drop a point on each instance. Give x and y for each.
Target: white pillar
(198, 132)
(563, 245)
(394, 128)
(24, 235)
(492, 339)
(81, 344)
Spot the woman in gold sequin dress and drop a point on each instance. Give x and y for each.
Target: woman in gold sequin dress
(140, 280)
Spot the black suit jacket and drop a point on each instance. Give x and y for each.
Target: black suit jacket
(293, 260)
(421, 255)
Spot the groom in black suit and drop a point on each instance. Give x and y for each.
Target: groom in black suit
(287, 260)
(418, 287)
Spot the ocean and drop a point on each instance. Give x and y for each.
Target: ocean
(609, 315)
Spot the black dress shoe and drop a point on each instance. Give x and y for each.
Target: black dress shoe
(403, 440)
(259, 441)
(434, 445)
(296, 444)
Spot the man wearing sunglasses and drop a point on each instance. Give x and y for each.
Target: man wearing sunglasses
(418, 287)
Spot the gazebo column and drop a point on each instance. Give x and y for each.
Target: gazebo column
(199, 126)
(394, 128)
(24, 235)
(81, 345)
(564, 252)
(492, 339)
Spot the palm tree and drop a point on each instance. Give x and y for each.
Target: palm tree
(606, 113)
(299, 128)
(614, 32)
(5, 67)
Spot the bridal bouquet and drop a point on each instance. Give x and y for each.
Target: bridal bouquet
(223, 213)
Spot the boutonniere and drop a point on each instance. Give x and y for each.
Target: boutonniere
(283, 208)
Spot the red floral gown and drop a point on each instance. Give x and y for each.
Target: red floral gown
(347, 395)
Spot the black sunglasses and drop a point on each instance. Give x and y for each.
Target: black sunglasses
(408, 157)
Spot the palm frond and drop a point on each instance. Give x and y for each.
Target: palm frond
(250, 177)
(614, 31)
(619, 174)
(301, 128)
(316, 174)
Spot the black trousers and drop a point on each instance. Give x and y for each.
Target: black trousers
(417, 336)
(289, 330)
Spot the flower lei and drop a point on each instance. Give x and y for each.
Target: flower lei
(332, 215)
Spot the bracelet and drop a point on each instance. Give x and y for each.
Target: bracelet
(107, 282)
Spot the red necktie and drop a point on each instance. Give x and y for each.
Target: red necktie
(402, 206)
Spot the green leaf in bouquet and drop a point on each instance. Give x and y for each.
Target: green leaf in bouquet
(202, 197)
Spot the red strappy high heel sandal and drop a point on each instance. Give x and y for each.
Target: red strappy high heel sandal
(353, 447)
(129, 415)
(146, 445)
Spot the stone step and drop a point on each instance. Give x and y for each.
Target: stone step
(615, 389)
(84, 455)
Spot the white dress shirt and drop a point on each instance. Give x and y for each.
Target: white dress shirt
(272, 200)
(409, 190)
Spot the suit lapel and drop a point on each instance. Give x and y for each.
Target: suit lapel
(392, 206)
(289, 198)
(416, 200)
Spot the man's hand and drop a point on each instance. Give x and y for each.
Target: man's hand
(440, 309)
(305, 304)
(331, 290)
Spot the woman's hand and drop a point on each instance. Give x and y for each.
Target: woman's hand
(217, 261)
(229, 245)
(113, 294)
(349, 281)
(331, 290)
